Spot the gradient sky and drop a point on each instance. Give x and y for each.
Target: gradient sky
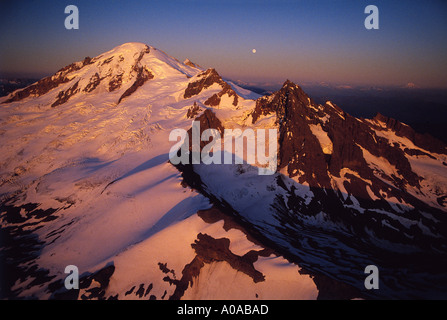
(304, 41)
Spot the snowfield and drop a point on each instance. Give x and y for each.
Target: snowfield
(85, 180)
(105, 165)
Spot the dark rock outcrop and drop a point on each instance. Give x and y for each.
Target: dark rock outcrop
(299, 150)
(301, 153)
(191, 64)
(142, 76)
(44, 85)
(193, 111)
(64, 95)
(207, 120)
(355, 143)
(115, 82)
(209, 250)
(93, 83)
(206, 80)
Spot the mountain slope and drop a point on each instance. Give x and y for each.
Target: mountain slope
(86, 181)
(350, 192)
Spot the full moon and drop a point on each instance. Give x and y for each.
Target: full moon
(254, 50)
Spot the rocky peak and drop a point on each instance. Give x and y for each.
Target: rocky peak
(351, 163)
(424, 141)
(283, 102)
(291, 88)
(202, 81)
(205, 80)
(191, 64)
(320, 142)
(300, 152)
(46, 84)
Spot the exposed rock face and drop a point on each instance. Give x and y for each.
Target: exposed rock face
(107, 61)
(39, 88)
(359, 172)
(77, 66)
(302, 153)
(95, 80)
(215, 99)
(209, 250)
(322, 146)
(115, 83)
(207, 120)
(299, 150)
(142, 76)
(424, 141)
(193, 111)
(205, 80)
(46, 84)
(63, 96)
(21, 246)
(190, 63)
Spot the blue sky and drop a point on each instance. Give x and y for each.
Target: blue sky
(304, 41)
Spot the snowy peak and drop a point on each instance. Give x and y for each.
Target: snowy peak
(121, 71)
(108, 72)
(85, 161)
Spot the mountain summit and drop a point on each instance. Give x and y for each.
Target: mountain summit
(86, 181)
(121, 70)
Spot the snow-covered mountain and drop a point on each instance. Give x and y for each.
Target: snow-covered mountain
(348, 193)
(86, 181)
